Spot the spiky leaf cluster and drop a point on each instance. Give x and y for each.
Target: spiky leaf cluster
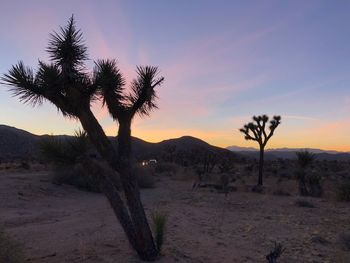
(305, 158)
(65, 152)
(64, 82)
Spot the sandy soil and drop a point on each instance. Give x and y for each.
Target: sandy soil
(62, 224)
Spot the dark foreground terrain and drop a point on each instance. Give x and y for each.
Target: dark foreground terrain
(63, 224)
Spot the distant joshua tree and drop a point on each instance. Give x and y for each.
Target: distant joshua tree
(65, 83)
(256, 131)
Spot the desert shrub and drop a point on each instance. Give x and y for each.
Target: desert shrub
(75, 175)
(275, 253)
(145, 178)
(159, 226)
(319, 240)
(165, 167)
(25, 165)
(343, 192)
(10, 250)
(258, 189)
(224, 180)
(310, 183)
(304, 203)
(307, 185)
(344, 241)
(305, 158)
(281, 192)
(249, 168)
(314, 184)
(66, 155)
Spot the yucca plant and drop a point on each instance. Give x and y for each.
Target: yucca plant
(66, 156)
(305, 158)
(159, 227)
(309, 183)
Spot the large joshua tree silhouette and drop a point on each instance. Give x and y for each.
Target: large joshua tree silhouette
(256, 131)
(65, 83)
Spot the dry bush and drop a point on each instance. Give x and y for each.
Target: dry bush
(75, 175)
(343, 192)
(314, 182)
(145, 176)
(304, 203)
(10, 250)
(281, 192)
(344, 241)
(166, 167)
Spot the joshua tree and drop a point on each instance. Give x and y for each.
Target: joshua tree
(65, 83)
(256, 131)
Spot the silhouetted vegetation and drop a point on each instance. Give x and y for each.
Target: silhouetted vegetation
(256, 131)
(159, 226)
(65, 83)
(66, 155)
(309, 183)
(275, 253)
(10, 250)
(304, 203)
(145, 176)
(344, 241)
(343, 191)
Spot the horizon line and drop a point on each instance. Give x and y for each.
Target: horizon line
(251, 147)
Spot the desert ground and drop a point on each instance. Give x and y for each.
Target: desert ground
(59, 223)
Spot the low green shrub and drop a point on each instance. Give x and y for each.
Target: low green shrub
(159, 226)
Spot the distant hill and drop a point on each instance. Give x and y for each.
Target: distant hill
(289, 153)
(16, 143)
(20, 144)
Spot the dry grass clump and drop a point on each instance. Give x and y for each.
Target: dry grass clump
(166, 167)
(343, 192)
(145, 176)
(281, 192)
(304, 203)
(10, 250)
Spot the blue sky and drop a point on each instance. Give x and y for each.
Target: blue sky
(223, 61)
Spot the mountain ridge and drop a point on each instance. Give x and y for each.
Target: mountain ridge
(283, 149)
(19, 143)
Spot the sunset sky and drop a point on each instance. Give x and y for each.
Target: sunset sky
(223, 62)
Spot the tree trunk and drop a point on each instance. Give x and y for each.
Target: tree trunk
(134, 224)
(99, 175)
(261, 166)
(144, 238)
